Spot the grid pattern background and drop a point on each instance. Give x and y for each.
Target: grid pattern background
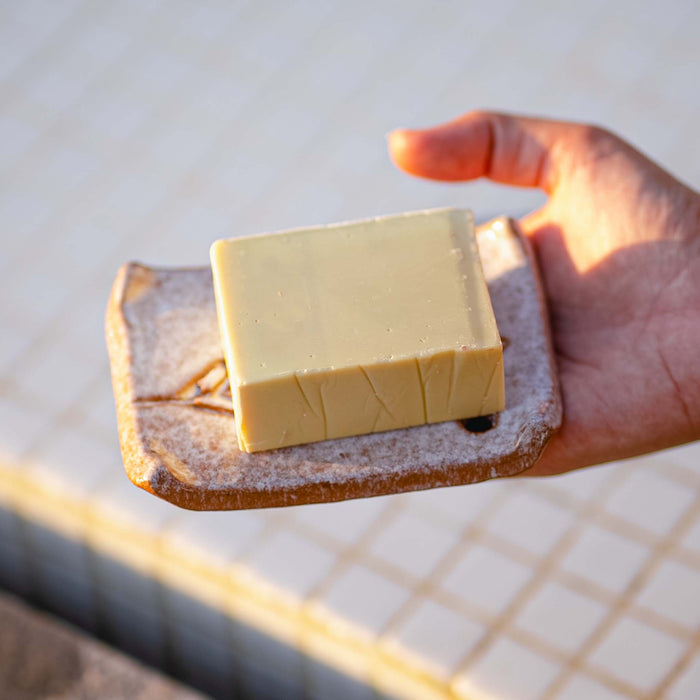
(145, 130)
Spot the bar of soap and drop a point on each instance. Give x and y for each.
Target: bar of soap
(356, 328)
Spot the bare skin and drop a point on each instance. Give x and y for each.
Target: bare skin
(618, 244)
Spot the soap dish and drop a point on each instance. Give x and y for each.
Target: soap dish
(175, 415)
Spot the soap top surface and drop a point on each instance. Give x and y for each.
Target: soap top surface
(351, 294)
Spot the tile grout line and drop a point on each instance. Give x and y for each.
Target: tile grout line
(684, 523)
(133, 145)
(610, 522)
(353, 553)
(619, 607)
(630, 530)
(45, 144)
(492, 507)
(547, 564)
(687, 657)
(162, 208)
(50, 43)
(470, 534)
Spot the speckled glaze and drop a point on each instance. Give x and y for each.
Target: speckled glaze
(176, 423)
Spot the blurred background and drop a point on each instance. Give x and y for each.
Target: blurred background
(144, 130)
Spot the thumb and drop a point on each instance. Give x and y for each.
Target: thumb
(505, 148)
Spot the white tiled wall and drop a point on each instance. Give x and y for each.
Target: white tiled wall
(145, 130)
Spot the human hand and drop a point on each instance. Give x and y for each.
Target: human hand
(618, 246)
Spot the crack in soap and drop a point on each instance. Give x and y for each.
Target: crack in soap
(304, 318)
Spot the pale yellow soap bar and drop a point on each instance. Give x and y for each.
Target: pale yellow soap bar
(356, 328)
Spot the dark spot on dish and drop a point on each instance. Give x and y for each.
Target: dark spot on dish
(480, 424)
(505, 341)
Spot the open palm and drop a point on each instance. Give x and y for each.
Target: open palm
(618, 244)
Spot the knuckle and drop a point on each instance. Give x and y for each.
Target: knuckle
(595, 136)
